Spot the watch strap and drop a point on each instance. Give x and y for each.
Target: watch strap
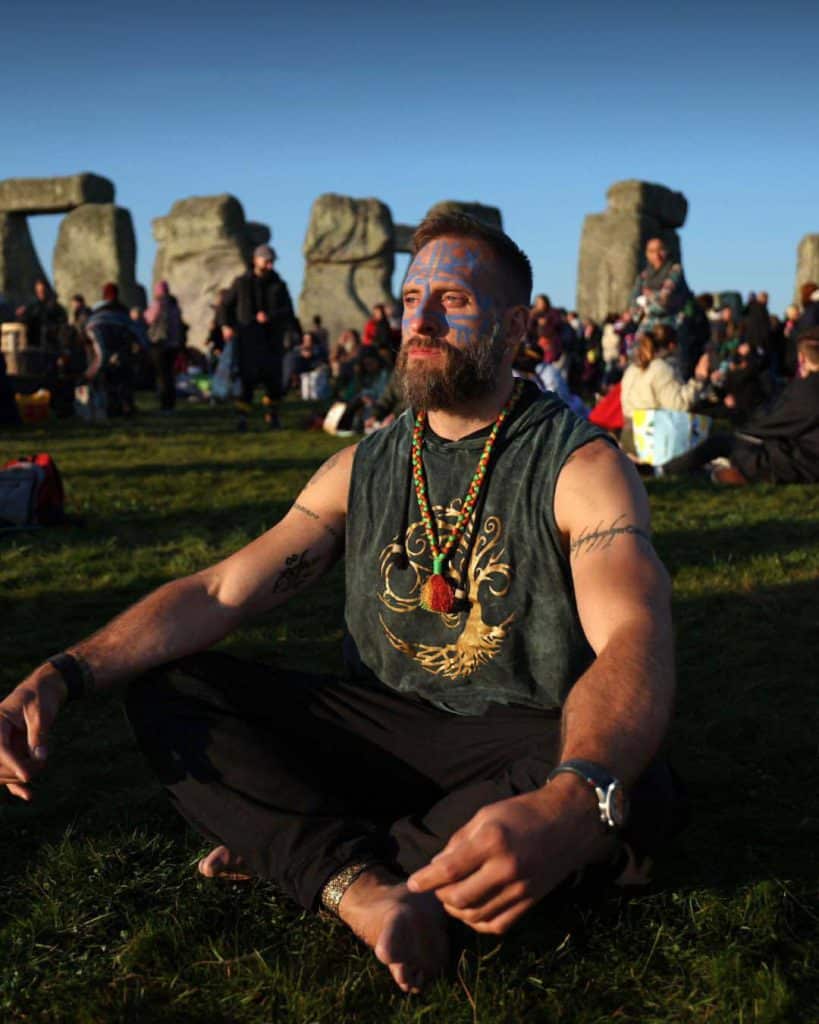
(71, 670)
(601, 781)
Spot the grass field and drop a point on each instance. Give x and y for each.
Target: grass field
(102, 917)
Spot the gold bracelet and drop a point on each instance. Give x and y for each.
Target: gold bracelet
(333, 891)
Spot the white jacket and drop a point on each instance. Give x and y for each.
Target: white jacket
(656, 387)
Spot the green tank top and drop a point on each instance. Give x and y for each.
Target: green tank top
(514, 637)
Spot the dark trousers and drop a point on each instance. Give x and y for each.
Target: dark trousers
(303, 774)
(268, 375)
(163, 360)
(714, 447)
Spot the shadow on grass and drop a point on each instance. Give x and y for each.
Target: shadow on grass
(157, 469)
(701, 547)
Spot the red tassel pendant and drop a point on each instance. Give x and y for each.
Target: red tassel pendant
(437, 594)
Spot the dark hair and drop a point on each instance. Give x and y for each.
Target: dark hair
(651, 343)
(78, 298)
(808, 344)
(517, 270)
(805, 292)
(664, 335)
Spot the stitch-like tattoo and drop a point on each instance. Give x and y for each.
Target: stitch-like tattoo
(599, 538)
(314, 515)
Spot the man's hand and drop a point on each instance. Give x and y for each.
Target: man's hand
(261, 317)
(512, 853)
(227, 333)
(26, 717)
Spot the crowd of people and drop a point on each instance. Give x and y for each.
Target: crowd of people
(669, 349)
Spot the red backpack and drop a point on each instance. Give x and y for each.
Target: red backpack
(31, 492)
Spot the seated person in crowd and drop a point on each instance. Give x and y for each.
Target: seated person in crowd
(652, 380)
(740, 389)
(386, 409)
(781, 446)
(377, 330)
(367, 387)
(310, 367)
(343, 361)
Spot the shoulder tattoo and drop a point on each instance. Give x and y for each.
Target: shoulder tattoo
(325, 467)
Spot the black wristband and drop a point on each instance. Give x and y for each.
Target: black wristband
(73, 676)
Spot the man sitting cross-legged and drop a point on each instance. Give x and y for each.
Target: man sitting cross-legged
(509, 660)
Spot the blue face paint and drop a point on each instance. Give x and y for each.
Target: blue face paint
(447, 293)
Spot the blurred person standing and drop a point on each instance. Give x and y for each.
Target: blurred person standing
(257, 313)
(112, 338)
(164, 320)
(44, 318)
(660, 291)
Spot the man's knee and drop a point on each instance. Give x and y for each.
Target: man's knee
(168, 692)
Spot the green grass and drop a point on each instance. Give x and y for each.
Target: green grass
(102, 917)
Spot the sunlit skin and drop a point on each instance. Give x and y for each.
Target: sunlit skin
(448, 294)
(656, 253)
(452, 302)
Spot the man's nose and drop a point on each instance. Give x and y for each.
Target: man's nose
(426, 319)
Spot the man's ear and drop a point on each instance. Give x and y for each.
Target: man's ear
(516, 323)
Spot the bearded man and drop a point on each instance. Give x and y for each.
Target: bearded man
(509, 659)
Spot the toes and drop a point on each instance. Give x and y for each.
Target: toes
(408, 978)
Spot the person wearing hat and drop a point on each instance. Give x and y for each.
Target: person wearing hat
(255, 314)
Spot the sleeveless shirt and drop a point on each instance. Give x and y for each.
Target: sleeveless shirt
(514, 636)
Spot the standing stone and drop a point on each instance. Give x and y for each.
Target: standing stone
(807, 263)
(349, 254)
(54, 195)
(96, 244)
(203, 244)
(612, 246)
(19, 264)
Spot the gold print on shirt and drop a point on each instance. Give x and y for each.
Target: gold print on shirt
(479, 641)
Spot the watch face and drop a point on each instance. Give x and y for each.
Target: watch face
(617, 805)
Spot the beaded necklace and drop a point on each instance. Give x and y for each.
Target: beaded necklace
(437, 594)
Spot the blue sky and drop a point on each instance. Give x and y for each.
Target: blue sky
(533, 107)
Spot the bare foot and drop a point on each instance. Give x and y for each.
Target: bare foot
(406, 931)
(221, 863)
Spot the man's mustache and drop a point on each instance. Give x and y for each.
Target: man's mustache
(416, 341)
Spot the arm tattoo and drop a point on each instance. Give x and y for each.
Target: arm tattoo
(600, 538)
(298, 569)
(325, 467)
(314, 515)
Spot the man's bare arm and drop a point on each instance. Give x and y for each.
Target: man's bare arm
(513, 852)
(189, 614)
(617, 713)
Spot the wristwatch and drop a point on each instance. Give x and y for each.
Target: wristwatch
(611, 796)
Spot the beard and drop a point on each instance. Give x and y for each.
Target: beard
(464, 375)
